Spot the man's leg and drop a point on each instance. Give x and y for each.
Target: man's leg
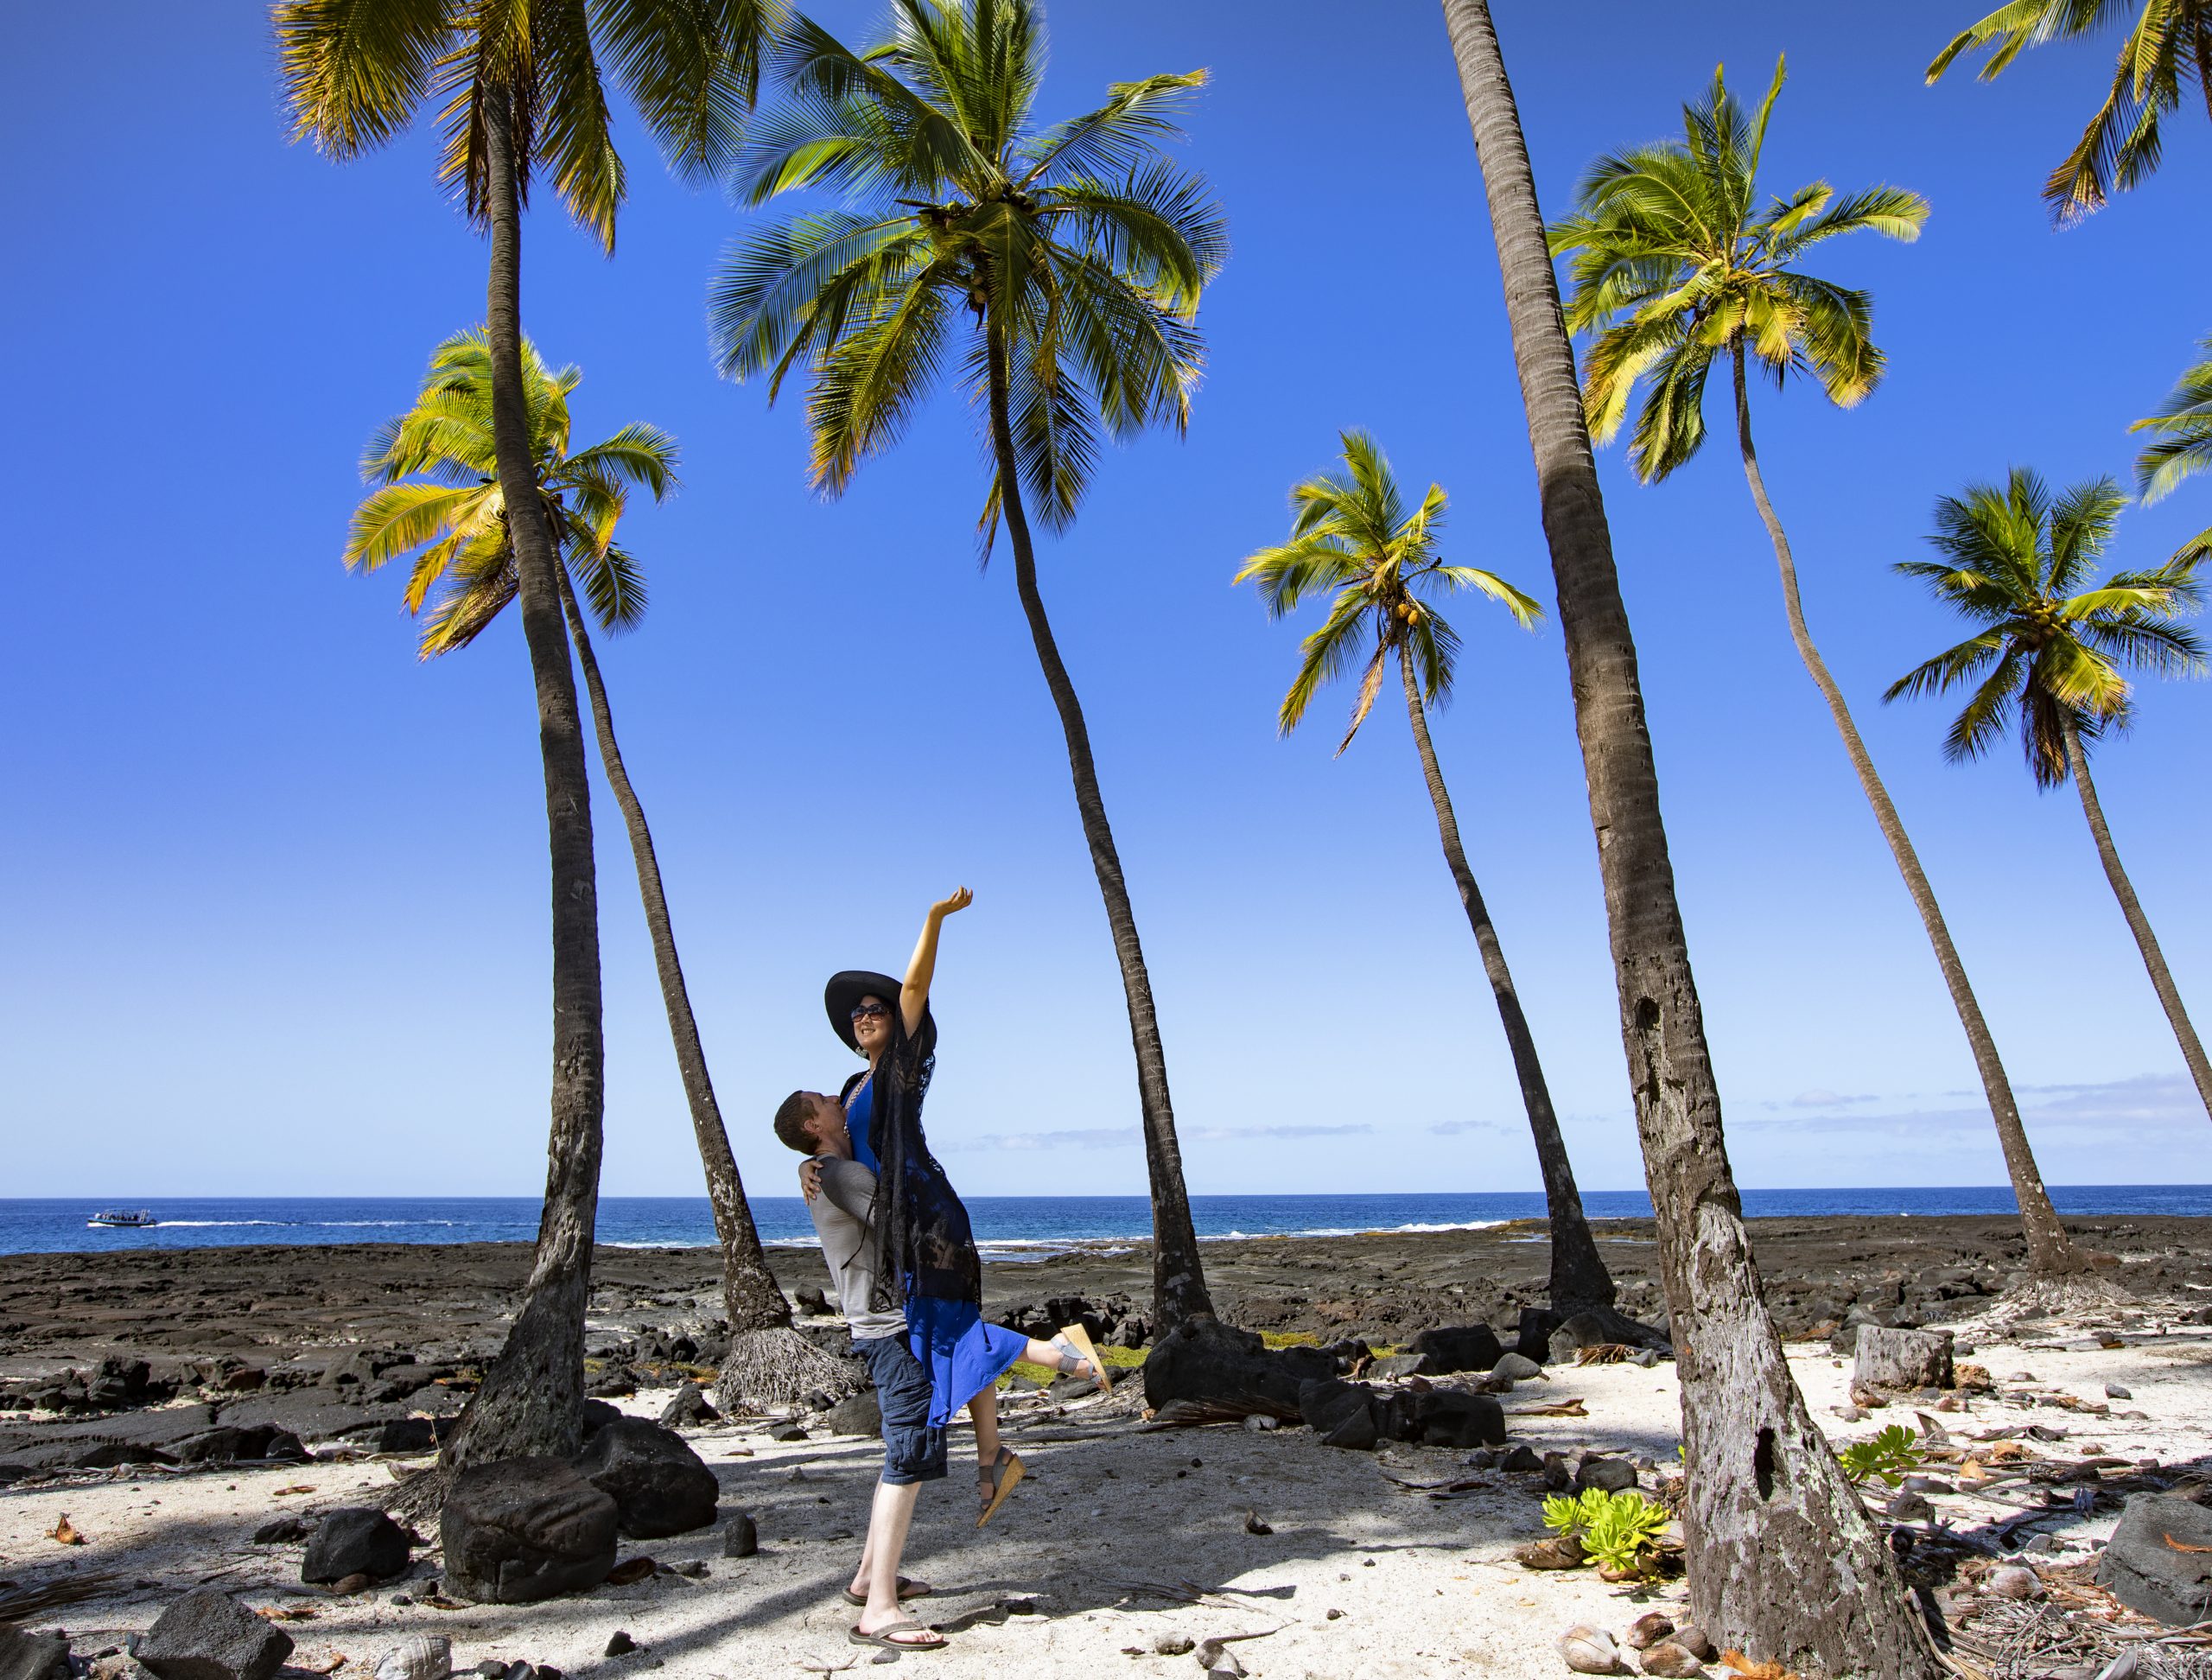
(913, 1453)
(888, 1519)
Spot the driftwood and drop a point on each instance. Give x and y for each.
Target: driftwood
(1902, 1359)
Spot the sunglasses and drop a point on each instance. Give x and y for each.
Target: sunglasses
(865, 1011)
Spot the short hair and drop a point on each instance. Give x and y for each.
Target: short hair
(791, 1122)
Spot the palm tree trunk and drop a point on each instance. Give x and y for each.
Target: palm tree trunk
(531, 1401)
(1179, 1283)
(2050, 1252)
(767, 1359)
(2162, 979)
(1783, 1562)
(1578, 1277)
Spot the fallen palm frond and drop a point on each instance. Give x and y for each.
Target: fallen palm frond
(1603, 1353)
(1557, 1409)
(2026, 1638)
(1197, 1413)
(19, 1603)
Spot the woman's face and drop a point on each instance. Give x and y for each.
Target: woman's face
(872, 1025)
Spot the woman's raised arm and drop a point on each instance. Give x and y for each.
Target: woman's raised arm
(914, 994)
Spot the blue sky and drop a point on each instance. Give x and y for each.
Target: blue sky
(275, 919)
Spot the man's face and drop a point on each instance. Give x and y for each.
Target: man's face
(827, 1126)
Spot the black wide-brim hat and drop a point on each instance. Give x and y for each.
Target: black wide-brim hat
(845, 992)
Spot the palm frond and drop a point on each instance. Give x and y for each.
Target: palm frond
(692, 69)
(2183, 430)
(1119, 137)
(355, 71)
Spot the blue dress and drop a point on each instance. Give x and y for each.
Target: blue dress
(962, 1355)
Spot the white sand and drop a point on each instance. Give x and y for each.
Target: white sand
(1424, 1586)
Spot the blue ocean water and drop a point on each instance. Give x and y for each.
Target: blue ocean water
(1006, 1227)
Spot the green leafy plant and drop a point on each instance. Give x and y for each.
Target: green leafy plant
(1891, 1457)
(1617, 1529)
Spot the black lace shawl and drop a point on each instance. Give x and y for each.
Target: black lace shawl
(924, 1242)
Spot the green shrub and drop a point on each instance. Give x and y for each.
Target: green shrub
(1891, 1455)
(1617, 1529)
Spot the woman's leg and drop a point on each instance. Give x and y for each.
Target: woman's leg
(983, 1413)
(1049, 1356)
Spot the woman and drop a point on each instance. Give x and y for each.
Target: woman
(925, 1247)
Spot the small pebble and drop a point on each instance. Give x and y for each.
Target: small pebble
(620, 1644)
(1174, 1645)
(741, 1536)
(1907, 1506)
(1335, 1615)
(2114, 1391)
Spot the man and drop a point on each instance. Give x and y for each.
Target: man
(841, 1196)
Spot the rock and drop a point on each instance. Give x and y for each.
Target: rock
(2144, 1568)
(1341, 1413)
(1392, 1367)
(1647, 1630)
(1611, 1474)
(354, 1540)
(810, 1299)
(1515, 1368)
(1673, 1661)
(1173, 1644)
(659, 1486)
(1533, 1339)
(1598, 1327)
(690, 1405)
(26, 1656)
(1849, 1413)
(1557, 1476)
(1902, 1359)
(523, 1529)
(1647, 1358)
(858, 1414)
(741, 1536)
(407, 1435)
(1457, 1347)
(282, 1531)
(1458, 1417)
(1907, 1506)
(1928, 1485)
(1523, 1458)
(1590, 1651)
(418, 1657)
(612, 1382)
(2114, 1391)
(619, 1643)
(788, 1431)
(207, 1635)
(2014, 1581)
(1206, 1359)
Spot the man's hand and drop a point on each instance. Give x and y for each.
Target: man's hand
(961, 899)
(810, 1178)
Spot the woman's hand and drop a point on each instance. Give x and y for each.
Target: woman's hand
(961, 899)
(914, 994)
(810, 1178)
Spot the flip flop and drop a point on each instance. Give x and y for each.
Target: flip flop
(1077, 1341)
(1004, 1472)
(907, 1589)
(882, 1637)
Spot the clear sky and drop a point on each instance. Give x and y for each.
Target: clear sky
(275, 915)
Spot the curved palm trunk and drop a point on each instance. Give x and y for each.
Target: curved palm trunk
(768, 1358)
(531, 1401)
(1784, 1562)
(2050, 1252)
(2162, 979)
(1578, 1276)
(1179, 1283)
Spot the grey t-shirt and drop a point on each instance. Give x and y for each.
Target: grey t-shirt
(841, 1215)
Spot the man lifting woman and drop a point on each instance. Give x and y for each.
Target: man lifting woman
(902, 1255)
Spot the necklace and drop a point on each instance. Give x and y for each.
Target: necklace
(866, 1078)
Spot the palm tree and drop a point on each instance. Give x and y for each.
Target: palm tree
(2183, 427)
(1677, 266)
(522, 87)
(1077, 252)
(440, 501)
(1783, 1562)
(1353, 535)
(2168, 47)
(2051, 648)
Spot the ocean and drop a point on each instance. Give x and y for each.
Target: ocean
(1006, 1227)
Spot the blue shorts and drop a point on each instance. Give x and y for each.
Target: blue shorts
(913, 1450)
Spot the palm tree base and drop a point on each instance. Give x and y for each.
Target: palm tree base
(2072, 1295)
(776, 1366)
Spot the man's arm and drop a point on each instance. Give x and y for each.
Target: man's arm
(914, 994)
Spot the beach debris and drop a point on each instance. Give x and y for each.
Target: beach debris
(296, 1487)
(1741, 1667)
(289, 1612)
(1557, 1409)
(1562, 1551)
(1603, 1353)
(1590, 1651)
(740, 1534)
(354, 1540)
(2014, 1581)
(417, 1656)
(1198, 1414)
(619, 1643)
(659, 1486)
(208, 1635)
(815, 1665)
(2158, 1561)
(1253, 1524)
(630, 1570)
(351, 1586)
(1671, 1661)
(521, 1530)
(1174, 1645)
(282, 1530)
(33, 1656)
(1261, 1423)
(1695, 1639)
(1647, 1630)
(64, 1533)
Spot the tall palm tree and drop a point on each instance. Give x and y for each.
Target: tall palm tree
(2168, 47)
(440, 501)
(2051, 648)
(523, 88)
(1353, 535)
(2181, 430)
(1076, 254)
(1783, 1562)
(1676, 266)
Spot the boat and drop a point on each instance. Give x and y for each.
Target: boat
(125, 1217)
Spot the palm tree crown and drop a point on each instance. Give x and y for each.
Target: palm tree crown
(440, 499)
(2020, 563)
(1353, 535)
(1676, 262)
(2182, 445)
(2168, 47)
(1080, 244)
(357, 71)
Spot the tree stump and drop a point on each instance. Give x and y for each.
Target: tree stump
(1902, 1359)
